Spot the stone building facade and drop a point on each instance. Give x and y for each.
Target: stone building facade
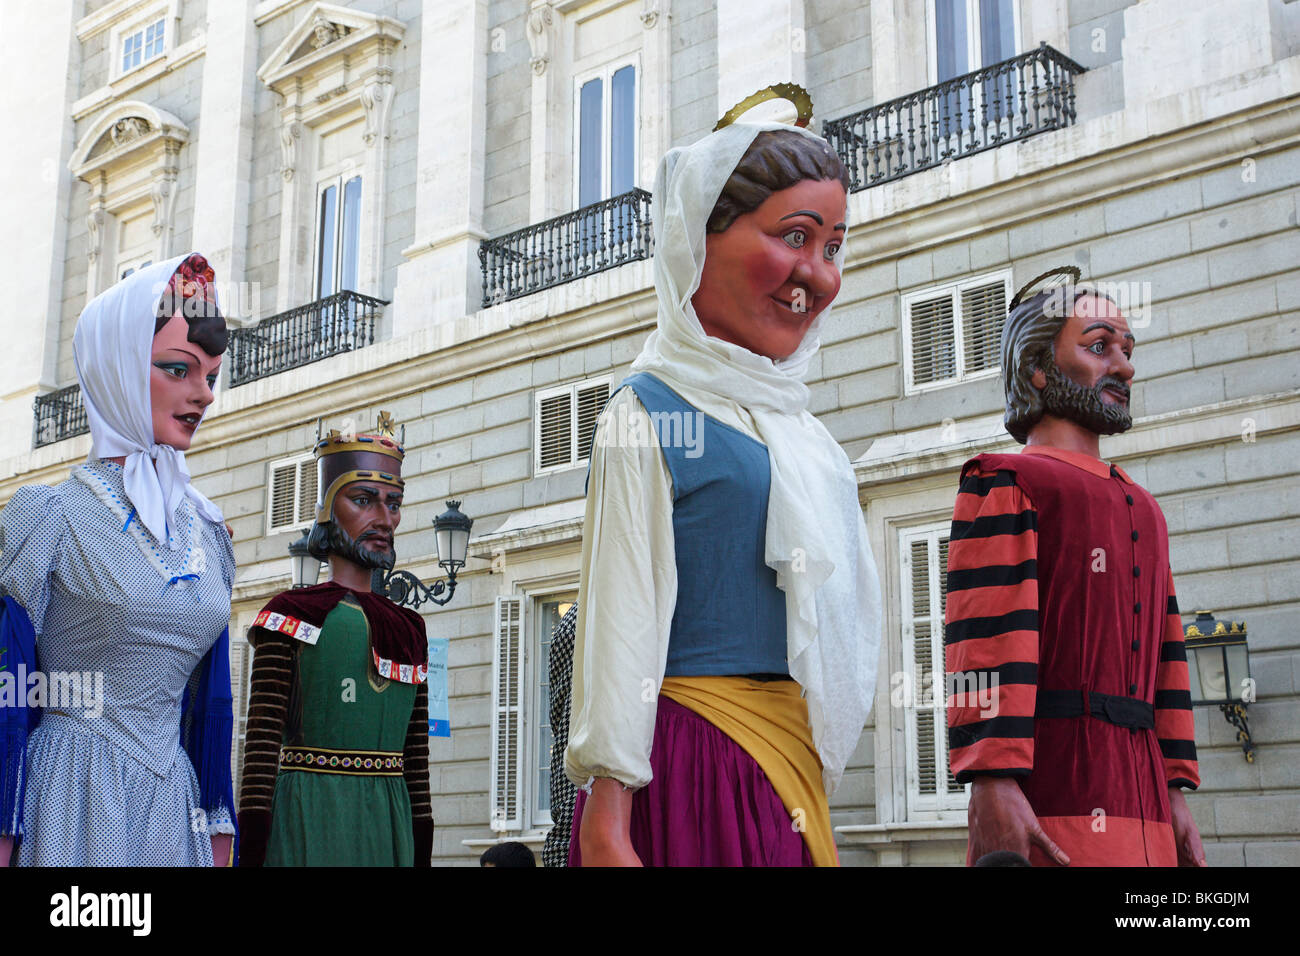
(315, 150)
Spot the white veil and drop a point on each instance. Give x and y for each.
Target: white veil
(816, 536)
(112, 347)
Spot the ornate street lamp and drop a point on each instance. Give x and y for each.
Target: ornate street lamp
(451, 537)
(1218, 665)
(305, 569)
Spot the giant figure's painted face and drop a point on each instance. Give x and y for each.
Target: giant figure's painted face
(181, 379)
(366, 516)
(1089, 376)
(772, 271)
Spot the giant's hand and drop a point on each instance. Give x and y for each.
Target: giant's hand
(1000, 818)
(221, 843)
(606, 820)
(1186, 837)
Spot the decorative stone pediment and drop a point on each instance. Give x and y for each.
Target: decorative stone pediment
(125, 134)
(332, 50)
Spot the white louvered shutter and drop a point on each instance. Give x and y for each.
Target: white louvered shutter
(930, 322)
(306, 490)
(930, 784)
(282, 496)
(507, 770)
(241, 666)
(555, 430)
(590, 401)
(983, 313)
(917, 564)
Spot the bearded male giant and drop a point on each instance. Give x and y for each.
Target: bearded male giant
(336, 765)
(1060, 598)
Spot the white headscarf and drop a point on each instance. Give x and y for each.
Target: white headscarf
(816, 536)
(113, 346)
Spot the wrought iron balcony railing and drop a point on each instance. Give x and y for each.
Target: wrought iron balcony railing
(579, 243)
(1008, 101)
(309, 333)
(59, 415)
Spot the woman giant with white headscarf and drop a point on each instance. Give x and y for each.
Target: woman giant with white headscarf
(124, 572)
(729, 605)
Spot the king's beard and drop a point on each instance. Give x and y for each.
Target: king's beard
(1065, 398)
(350, 549)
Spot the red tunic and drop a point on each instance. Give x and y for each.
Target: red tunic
(1092, 609)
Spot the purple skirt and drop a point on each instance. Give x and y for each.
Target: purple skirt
(709, 803)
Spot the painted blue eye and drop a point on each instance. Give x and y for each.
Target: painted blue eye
(1097, 347)
(795, 240)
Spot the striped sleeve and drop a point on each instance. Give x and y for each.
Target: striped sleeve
(415, 763)
(991, 628)
(273, 665)
(1173, 702)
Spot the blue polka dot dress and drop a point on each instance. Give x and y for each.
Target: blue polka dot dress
(121, 623)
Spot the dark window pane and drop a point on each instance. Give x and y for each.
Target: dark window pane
(622, 144)
(997, 31)
(589, 145)
(325, 250)
(351, 234)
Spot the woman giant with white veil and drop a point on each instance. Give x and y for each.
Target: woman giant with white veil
(729, 604)
(121, 576)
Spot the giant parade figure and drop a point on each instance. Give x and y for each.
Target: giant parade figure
(336, 761)
(1069, 708)
(729, 606)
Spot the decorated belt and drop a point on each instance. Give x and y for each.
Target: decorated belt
(360, 763)
(1112, 708)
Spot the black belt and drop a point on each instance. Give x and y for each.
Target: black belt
(1112, 708)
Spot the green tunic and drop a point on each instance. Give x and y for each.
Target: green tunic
(334, 819)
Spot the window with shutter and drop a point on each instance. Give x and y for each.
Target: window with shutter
(307, 490)
(983, 313)
(565, 423)
(507, 714)
(953, 333)
(930, 785)
(590, 401)
(291, 494)
(933, 348)
(554, 438)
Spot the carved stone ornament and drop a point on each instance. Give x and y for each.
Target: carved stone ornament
(128, 129)
(649, 13)
(289, 135)
(377, 101)
(163, 194)
(95, 231)
(539, 37)
(323, 32)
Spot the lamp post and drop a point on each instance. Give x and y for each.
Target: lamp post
(305, 570)
(451, 537)
(1218, 666)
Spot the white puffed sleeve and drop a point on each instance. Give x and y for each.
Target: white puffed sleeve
(31, 527)
(626, 597)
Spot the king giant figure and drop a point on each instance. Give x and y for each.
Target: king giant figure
(336, 766)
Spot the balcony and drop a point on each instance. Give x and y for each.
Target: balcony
(59, 415)
(577, 244)
(338, 323)
(1013, 100)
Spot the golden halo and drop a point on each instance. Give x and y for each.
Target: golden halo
(793, 92)
(1066, 275)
